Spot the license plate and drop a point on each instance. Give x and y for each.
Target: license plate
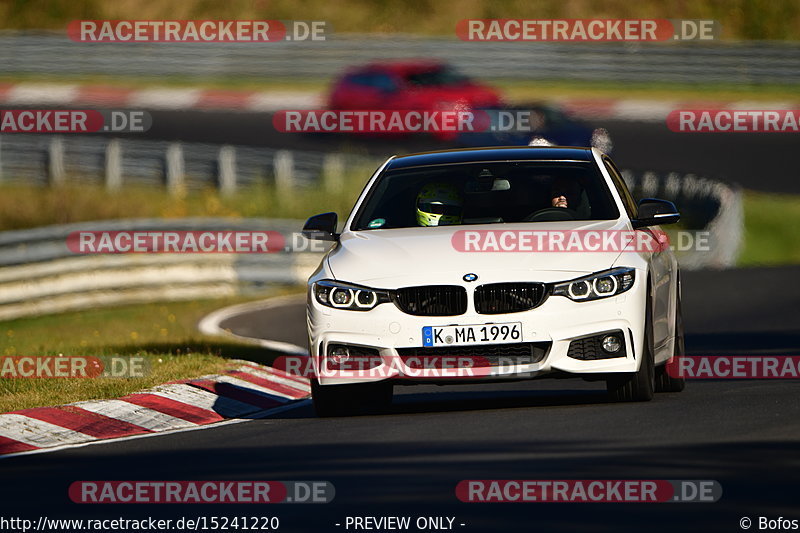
(471, 334)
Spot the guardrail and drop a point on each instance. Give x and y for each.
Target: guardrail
(754, 63)
(39, 274)
(706, 205)
(52, 159)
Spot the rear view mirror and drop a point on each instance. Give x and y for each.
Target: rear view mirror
(482, 184)
(501, 184)
(322, 227)
(653, 212)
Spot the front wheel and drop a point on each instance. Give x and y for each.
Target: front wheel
(637, 386)
(346, 400)
(665, 382)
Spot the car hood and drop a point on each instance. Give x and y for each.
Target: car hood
(392, 258)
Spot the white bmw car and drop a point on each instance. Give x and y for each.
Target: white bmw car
(493, 264)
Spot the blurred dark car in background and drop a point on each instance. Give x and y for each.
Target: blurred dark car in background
(430, 85)
(545, 124)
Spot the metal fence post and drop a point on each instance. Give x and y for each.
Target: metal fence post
(649, 184)
(226, 164)
(55, 163)
(672, 185)
(629, 178)
(113, 165)
(333, 172)
(175, 175)
(283, 164)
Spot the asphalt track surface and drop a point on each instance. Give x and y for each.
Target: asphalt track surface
(744, 434)
(764, 162)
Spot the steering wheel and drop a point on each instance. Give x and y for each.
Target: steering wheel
(552, 214)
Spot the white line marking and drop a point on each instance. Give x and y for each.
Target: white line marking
(37, 432)
(164, 98)
(203, 399)
(272, 371)
(252, 416)
(276, 101)
(265, 374)
(135, 414)
(209, 325)
(644, 110)
(238, 382)
(36, 93)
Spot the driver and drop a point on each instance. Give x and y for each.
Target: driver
(439, 204)
(564, 192)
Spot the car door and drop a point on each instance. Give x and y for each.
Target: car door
(661, 266)
(367, 90)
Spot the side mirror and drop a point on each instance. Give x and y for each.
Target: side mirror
(653, 212)
(322, 227)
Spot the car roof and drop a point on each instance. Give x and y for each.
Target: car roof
(400, 67)
(509, 153)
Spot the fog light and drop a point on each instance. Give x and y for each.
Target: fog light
(338, 356)
(611, 343)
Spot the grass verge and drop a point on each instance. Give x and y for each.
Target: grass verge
(28, 206)
(772, 229)
(164, 334)
(740, 19)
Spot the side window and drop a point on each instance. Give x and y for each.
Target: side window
(622, 189)
(357, 79)
(383, 82)
(374, 80)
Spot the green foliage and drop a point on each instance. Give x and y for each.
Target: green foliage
(740, 19)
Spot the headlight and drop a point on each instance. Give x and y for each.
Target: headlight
(342, 295)
(598, 285)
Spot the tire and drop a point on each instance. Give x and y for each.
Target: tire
(665, 382)
(640, 385)
(346, 400)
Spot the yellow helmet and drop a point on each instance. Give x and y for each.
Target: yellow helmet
(439, 204)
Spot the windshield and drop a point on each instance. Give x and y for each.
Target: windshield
(486, 193)
(437, 77)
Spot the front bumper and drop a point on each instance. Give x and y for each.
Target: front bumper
(554, 325)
